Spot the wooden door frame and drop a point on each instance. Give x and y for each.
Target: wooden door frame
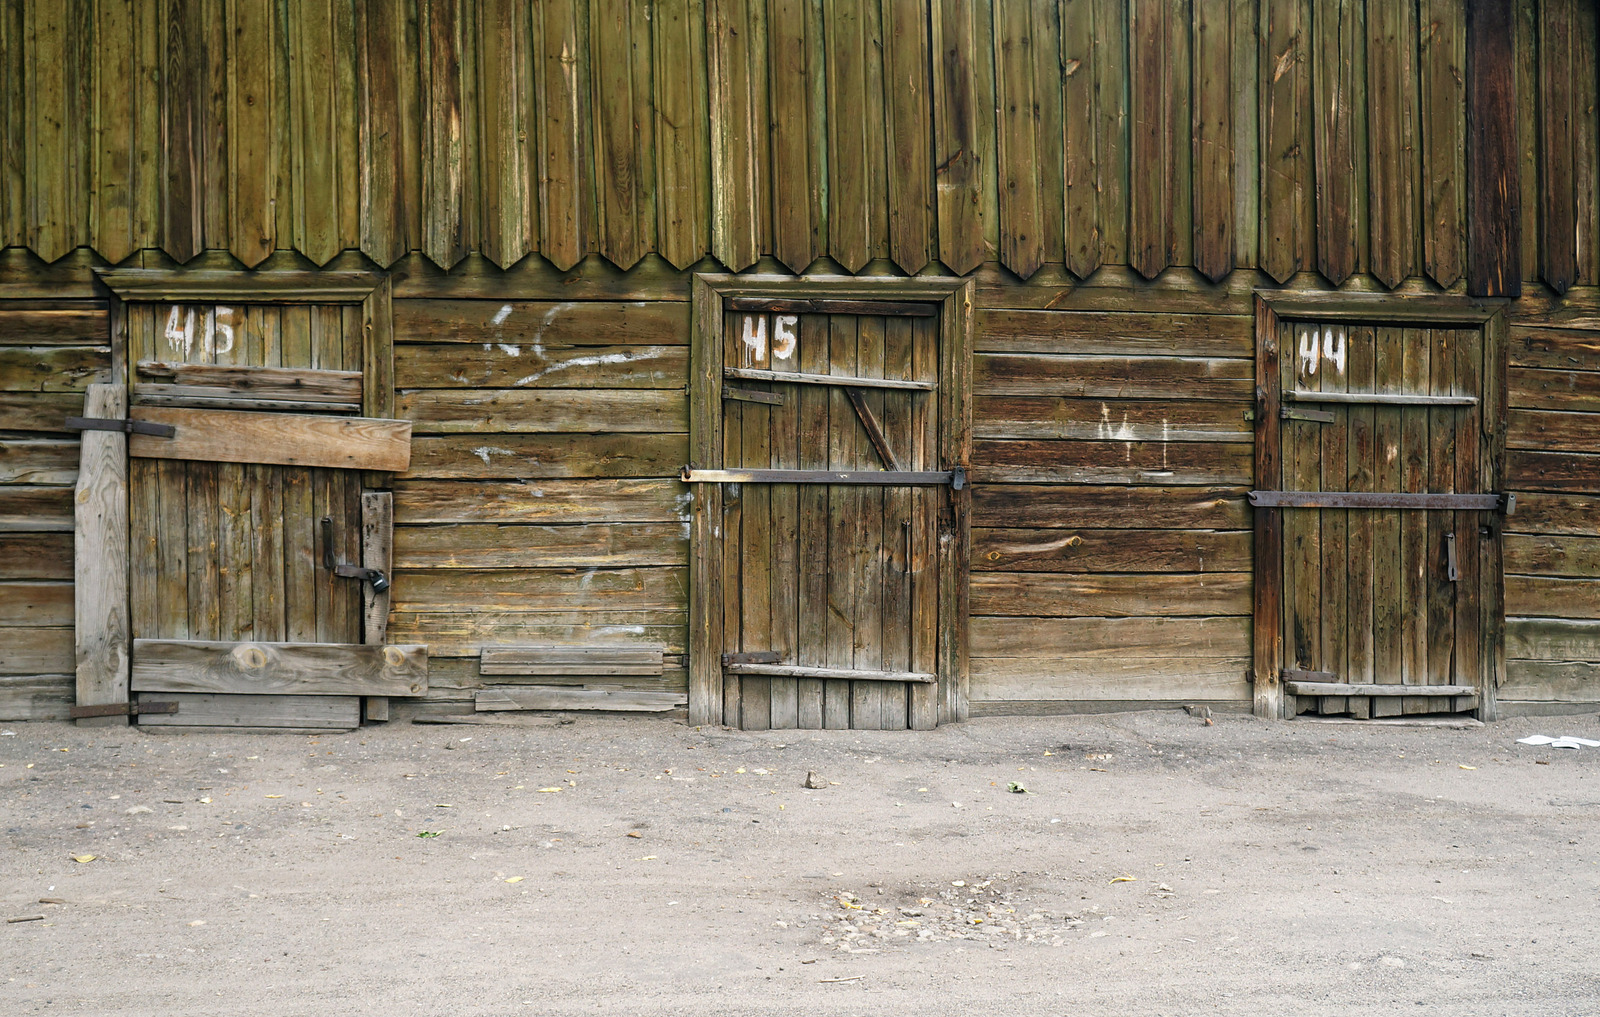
(102, 560)
(956, 298)
(1272, 308)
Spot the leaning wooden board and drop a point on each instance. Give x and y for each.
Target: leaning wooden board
(287, 439)
(177, 665)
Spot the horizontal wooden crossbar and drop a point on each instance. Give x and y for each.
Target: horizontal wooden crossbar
(1377, 500)
(1379, 398)
(288, 439)
(1346, 689)
(317, 669)
(844, 380)
(803, 305)
(796, 671)
(880, 478)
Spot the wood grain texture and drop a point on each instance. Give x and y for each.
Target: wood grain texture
(1494, 172)
(239, 436)
(320, 713)
(259, 668)
(551, 698)
(100, 573)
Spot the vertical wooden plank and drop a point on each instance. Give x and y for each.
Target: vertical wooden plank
(181, 73)
(1285, 138)
(47, 160)
(144, 562)
(14, 207)
(958, 94)
(1492, 463)
(1337, 93)
(1392, 119)
(1558, 265)
(300, 548)
(213, 123)
(1049, 128)
(148, 182)
(866, 698)
(376, 344)
(735, 43)
(755, 578)
(1150, 174)
(706, 533)
(1016, 132)
(1268, 523)
(111, 222)
(843, 516)
(796, 124)
(1246, 61)
(898, 342)
(1443, 117)
(1415, 554)
(1302, 529)
(922, 553)
(268, 591)
(204, 586)
(1080, 46)
(1469, 477)
(954, 431)
(623, 147)
(1388, 607)
(814, 434)
(850, 172)
(566, 183)
(907, 114)
(172, 537)
(1213, 155)
(388, 112)
(445, 173)
(1336, 545)
(346, 129)
(377, 552)
(733, 537)
(1494, 178)
(1361, 465)
(1440, 594)
(100, 560)
(1586, 143)
(235, 601)
(683, 176)
(251, 180)
(785, 528)
(505, 102)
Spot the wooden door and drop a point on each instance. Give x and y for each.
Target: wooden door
(1385, 489)
(830, 590)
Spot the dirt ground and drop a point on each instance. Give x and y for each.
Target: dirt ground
(1152, 865)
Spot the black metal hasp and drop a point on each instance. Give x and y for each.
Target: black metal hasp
(752, 657)
(121, 710)
(1505, 502)
(130, 426)
(379, 581)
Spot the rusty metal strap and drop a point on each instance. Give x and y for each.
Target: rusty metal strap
(1384, 500)
(956, 478)
(125, 426)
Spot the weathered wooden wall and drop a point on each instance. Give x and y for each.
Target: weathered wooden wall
(1283, 135)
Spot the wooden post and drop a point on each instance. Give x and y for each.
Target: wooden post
(377, 552)
(100, 559)
(1268, 630)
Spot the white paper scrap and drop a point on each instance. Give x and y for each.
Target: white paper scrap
(1564, 742)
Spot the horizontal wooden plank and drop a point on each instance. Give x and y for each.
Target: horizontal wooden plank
(35, 508)
(1110, 594)
(1552, 555)
(222, 399)
(822, 305)
(534, 697)
(60, 326)
(1553, 348)
(303, 384)
(1119, 288)
(39, 411)
(1114, 377)
(542, 589)
(35, 604)
(1118, 420)
(1552, 431)
(841, 380)
(1544, 512)
(1111, 462)
(36, 697)
(193, 285)
(1553, 390)
(1130, 677)
(322, 669)
(239, 436)
(451, 634)
(1298, 688)
(514, 365)
(506, 411)
(1302, 395)
(1110, 637)
(571, 660)
(334, 713)
(489, 546)
(836, 673)
(588, 500)
(1552, 596)
(461, 673)
(548, 324)
(1108, 550)
(35, 555)
(593, 278)
(1552, 471)
(1559, 681)
(511, 456)
(1119, 506)
(853, 478)
(53, 368)
(1552, 638)
(37, 651)
(1114, 333)
(46, 461)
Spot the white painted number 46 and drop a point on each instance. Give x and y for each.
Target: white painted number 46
(215, 331)
(1328, 345)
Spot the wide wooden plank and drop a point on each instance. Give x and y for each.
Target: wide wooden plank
(35, 697)
(588, 500)
(450, 634)
(1559, 349)
(1113, 377)
(100, 573)
(544, 324)
(85, 324)
(38, 461)
(1552, 555)
(35, 509)
(1111, 462)
(163, 665)
(35, 555)
(1337, 93)
(38, 411)
(1113, 333)
(37, 651)
(259, 382)
(1553, 596)
(571, 660)
(240, 436)
(1035, 594)
(332, 713)
(522, 697)
(1110, 637)
(909, 139)
(1552, 431)
(1392, 83)
(1286, 144)
(543, 589)
(35, 604)
(683, 185)
(736, 74)
(1552, 638)
(511, 411)
(1554, 389)
(53, 368)
(1552, 471)
(1558, 681)
(1539, 512)
(536, 365)
(1087, 679)
(1443, 123)
(508, 456)
(1494, 172)
(1100, 550)
(1119, 506)
(963, 96)
(477, 546)
(1214, 157)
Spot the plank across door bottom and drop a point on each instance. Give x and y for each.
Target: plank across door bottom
(308, 713)
(1295, 688)
(298, 669)
(797, 671)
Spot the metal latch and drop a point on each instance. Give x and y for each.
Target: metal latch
(958, 478)
(125, 426)
(121, 710)
(1451, 572)
(379, 581)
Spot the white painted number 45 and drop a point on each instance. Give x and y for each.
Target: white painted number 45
(753, 333)
(216, 330)
(1329, 345)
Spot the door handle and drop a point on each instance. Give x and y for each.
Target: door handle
(1451, 571)
(379, 581)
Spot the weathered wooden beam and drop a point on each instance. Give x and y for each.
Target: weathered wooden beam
(304, 384)
(238, 436)
(100, 562)
(1494, 187)
(310, 713)
(819, 305)
(1295, 688)
(555, 698)
(844, 673)
(799, 378)
(377, 552)
(302, 669)
(571, 660)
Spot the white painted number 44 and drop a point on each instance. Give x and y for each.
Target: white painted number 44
(215, 330)
(1327, 345)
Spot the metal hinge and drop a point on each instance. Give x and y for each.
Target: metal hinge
(125, 426)
(121, 710)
